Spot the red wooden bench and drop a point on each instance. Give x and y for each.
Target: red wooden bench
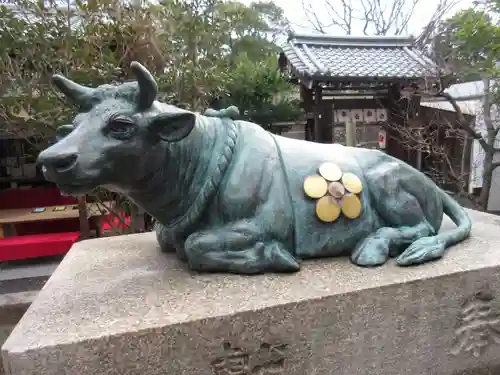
(39, 197)
(36, 245)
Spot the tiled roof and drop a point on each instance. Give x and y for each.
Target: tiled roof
(320, 56)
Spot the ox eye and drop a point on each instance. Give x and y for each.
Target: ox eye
(120, 128)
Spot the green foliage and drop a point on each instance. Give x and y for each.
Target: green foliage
(197, 50)
(493, 5)
(470, 40)
(477, 38)
(262, 94)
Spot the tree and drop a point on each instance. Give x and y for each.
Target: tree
(468, 45)
(260, 93)
(256, 28)
(476, 35)
(198, 50)
(192, 47)
(465, 43)
(371, 17)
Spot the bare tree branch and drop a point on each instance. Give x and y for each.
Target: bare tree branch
(372, 17)
(434, 140)
(463, 123)
(431, 30)
(313, 19)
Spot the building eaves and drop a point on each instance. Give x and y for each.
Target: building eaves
(350, 41)
(324, 57)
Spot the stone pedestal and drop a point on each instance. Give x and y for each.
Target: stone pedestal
(119, 306)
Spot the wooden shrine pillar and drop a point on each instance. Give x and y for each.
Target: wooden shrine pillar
(323, 118)
(397, 118)
(306, 96)
(318, 96)
(413, 105)
(317, 128)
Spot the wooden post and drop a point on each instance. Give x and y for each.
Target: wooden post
(350, 134)
(137, 222)
(84, 220)
(307, 103)
(396, 118)
(318, 135)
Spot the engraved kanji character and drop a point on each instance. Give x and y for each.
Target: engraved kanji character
(478, 327)
(234, 361)
(269, 359)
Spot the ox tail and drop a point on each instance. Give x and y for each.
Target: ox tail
(461, 219)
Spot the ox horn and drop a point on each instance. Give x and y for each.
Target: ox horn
(148, 89)
(73, 91)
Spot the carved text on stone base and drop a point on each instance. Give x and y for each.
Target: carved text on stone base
(268, 359)
(478, 326)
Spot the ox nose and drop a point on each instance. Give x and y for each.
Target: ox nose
(61, 162)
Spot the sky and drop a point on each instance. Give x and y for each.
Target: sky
(421, 15)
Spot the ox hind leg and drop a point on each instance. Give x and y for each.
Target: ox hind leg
(405, 223)
(376, 248)
(241, 248)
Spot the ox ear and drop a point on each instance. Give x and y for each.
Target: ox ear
(62, 131)
(172, 127)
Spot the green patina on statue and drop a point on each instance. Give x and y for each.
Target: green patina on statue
(229, 196)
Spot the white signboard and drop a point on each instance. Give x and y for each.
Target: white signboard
(382, 139)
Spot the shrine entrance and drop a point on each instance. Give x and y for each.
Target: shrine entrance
(373, 82)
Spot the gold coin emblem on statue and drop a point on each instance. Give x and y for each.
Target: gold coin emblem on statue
(330, 171)
(336, 189)
(327, 209)
(351, 206)
(315, 186)
(352, 183)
